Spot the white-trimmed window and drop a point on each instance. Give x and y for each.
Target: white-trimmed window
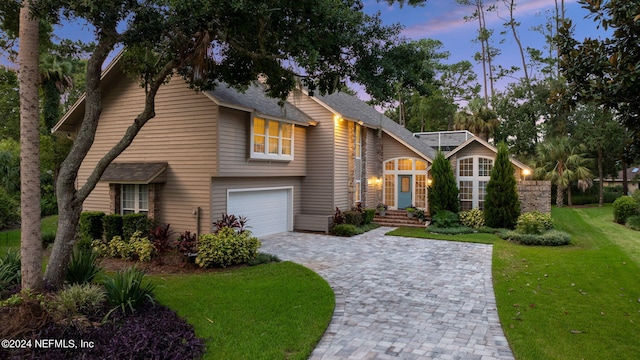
(405, 166)
(271, 139)
(357, 178)
(473, 175)
(134, 199)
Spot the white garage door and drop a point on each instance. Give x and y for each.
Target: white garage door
(269, 211)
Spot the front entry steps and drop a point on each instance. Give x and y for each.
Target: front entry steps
(397, 218)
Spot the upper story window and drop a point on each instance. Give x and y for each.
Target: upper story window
(271, 139)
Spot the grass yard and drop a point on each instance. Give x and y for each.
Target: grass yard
(10, 239)
(574, 302)
(270, 311)
(274, 311)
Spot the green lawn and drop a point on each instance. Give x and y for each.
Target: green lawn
(271, 311)
(274, 311)
(574, 302)
(10, 239)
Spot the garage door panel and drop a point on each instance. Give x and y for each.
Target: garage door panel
(268, 211)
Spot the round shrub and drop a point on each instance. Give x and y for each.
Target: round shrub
(633, 222)
(120, 248)
(534, 222)
(445, 219)
(472, 218)
(226, 247)
(142, 247)
(624, 207)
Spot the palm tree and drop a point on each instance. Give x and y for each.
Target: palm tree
(55, 78)
(559, 161)
(478, 119)
(29, 78)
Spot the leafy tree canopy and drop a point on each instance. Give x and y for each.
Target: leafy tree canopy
(318, 43)
(606, 71)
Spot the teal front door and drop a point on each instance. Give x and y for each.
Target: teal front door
(404, 191)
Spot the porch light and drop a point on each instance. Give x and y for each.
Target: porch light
(374, 181)
(526, 172)
(429, 182)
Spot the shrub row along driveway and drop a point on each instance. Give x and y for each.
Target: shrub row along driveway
(401, 297)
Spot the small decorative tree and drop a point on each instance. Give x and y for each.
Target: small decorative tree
(501, 204)
(443, 191)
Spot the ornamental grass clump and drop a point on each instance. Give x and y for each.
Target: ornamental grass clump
(127, 289)
(10, 274)
(83, 267)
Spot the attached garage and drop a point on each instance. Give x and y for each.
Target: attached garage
(269, 210)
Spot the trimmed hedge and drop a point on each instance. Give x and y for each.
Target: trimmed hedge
(353, 217)
(346, 230)
(135, 222)
(451, 230)
(549, 238)
(91, 227)
(112, 225)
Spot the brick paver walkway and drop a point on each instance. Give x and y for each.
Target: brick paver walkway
(401, 298)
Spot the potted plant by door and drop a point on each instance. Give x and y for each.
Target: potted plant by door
(410, 211)
(382, 209)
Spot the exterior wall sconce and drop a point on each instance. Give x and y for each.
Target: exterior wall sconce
(525, 173)
(374, 181)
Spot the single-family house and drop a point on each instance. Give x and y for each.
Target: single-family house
(283, 166)
(633, 178)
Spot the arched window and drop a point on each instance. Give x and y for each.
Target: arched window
(405, 183)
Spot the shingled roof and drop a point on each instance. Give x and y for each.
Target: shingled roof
(135, 173)
(256, 100)
(352, 108)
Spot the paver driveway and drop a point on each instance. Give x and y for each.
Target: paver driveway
(401, 298)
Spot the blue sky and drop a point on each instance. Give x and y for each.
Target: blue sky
(444, 20)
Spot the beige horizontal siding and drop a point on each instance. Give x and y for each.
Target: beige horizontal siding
(183, 133)
(318, 185)
(392, 148)
(234, 143)
(475, 149)
(341, 165)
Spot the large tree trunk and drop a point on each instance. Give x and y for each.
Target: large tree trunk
(30, 238)
(70, 199)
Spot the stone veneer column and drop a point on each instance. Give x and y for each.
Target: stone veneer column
(534, 195)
